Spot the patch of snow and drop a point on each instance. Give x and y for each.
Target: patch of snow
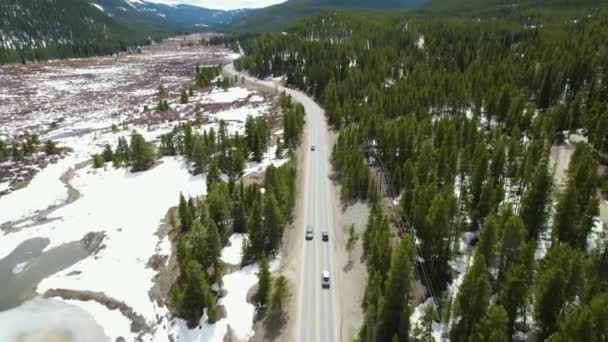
(240, 114)
(467, 237)
(113, 322)
(420, 42)
(397, 200)
(418, 314)
(460, 264)
(469, 113)
(20, 267)
(597, 236)
(234, 55)
(239, 312)
(44, 191)
(233, 254)
(218, 95)
(267, 160)
(221, 4)
(256, 98)
(43, 319)
(98, 7)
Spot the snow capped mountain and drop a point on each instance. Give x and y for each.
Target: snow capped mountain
(154, 16)
(42, 24)
(220, 4)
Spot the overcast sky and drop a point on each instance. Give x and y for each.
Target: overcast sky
(223, 4)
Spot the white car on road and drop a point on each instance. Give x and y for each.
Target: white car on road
(325, 279)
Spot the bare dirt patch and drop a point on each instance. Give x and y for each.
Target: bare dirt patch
(352, 269)
(165, 265)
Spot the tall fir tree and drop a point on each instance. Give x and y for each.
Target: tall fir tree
(395, 306)
(472, 301)
(492, 327)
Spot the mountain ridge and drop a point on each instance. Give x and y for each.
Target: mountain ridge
(156, 17)
(276, 17)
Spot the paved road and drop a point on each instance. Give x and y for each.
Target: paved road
(317, 307)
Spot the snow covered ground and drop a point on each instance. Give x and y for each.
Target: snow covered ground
(416, 320)
(233, 253)
(79, 92)
(49, 320)
(128, 208)
(239, 312)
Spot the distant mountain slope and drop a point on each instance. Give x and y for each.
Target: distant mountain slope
(155, 17)
(278, 16)
(43, 23)
(485, 6)
(40, 29)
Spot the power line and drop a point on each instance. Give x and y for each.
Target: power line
(389, 187)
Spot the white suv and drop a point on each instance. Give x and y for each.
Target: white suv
(325, 279)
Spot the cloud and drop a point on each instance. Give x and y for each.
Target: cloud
(222, 4)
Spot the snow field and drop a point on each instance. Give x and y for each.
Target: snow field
(128, 208)
(43, 319)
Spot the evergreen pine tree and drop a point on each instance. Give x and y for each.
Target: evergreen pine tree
(196, 293)
(279, 299)
(584, 323)
(213, 173)
(142, 153)
(264, 281)
(512, 246)
(395, 308)
(108, 154)
(472, 300)
(279, 151)
(185, 215)
(273, 221)
(200, 155)
(514, 291)
(492, 327)
(558, 281)
(535, 200)
(98, 161)
(488, 239)
(17, 153)
(183, 99)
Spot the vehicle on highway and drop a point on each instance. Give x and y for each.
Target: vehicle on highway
(312, 147)
(325, 279)
(308, 233)
(325, 236)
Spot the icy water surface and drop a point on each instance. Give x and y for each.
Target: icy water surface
(27, 265)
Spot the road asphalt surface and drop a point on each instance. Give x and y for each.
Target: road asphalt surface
(317, 309)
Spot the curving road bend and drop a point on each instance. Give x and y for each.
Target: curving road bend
(317, 308)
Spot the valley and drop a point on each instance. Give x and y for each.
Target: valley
(303, 170)
(52, 210)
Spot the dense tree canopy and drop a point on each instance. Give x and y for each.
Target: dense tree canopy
(456, 118)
